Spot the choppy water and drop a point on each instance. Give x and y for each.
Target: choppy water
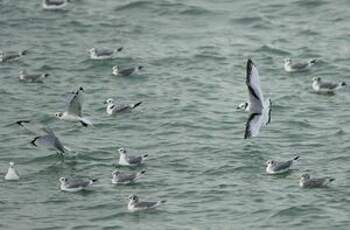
(194, 53)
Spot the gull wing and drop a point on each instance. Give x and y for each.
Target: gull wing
(75, 103)
(256, 98)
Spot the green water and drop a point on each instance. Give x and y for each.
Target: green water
(194, 53)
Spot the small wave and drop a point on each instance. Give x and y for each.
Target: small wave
(134, 5)
(273, 50)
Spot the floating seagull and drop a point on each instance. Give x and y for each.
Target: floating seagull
(307, 182)
(126, 160)
(320, 86)
(24, 76)
(119, 108)
(290, 66)
(259, 109)
(125, 72)
(75, 185)
(11, 172)
(103, 53)
(45, 136)
(279, 167)
(126, 178)
(136, 205)
(11, 55)
(54, 4)
(74, 109)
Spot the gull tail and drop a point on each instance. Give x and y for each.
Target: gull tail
(119, 49)
(140, 174)
(296, 158)
(343, 83)
(92, 181)
(137, 104)
(328, 181)
(313, 61)
(85, 121)
(34, 140)
(144, 156)
(20, 122)
(161, 202)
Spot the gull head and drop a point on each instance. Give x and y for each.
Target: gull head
(133, 198)
(242, 106)
(317, 79)
(287, 61)
(270, 163)
(109, 101)
(63, 180)
(59, 115)
(122, 151)
(91, 51)
(115, 173)
(305, 177)
(115, 68)
(12, 164)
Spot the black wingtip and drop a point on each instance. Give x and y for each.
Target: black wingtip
(296, 158)
(343, 83)
(24, 52)
(332, 179)
(137, 104)
(163, 201)
(84, 124)
(94, 180)
(20, 122)
(143, 172)
(34, 140)
(313, 61)
(120, 49)
(145, 156)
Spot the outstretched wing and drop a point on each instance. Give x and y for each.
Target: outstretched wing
(256, 98)
(75, 103)
(253, 125)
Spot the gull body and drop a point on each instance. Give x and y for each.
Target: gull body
(117, 71)
(113, 109)
(318, 85)
(307, 182)
(25, 77)
(126, 160)
(136, 205)
(126, 178)
(279, 167)
(12, 173)
(75, 185)
(259, 109)
(74, 109)
(103, 53)
(291, 66)
(8, 56)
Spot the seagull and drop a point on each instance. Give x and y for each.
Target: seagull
(290, 66)
(11, 172)
(259, 109)
(74, 109)
(7, 56)
(117, 71)
(126, 160)
(75, 185)
(45, 136)
(126, 178)
(25, 77)
(307, 182)
(54, 4)
(103, 53)
(320, 86)
(279, 167)
(136, 205)
(50, 140)
(113, 109)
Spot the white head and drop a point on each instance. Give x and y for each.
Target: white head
(287, 61)
(133, 198)
(91, 51)
(270, 163)
(63, 180)
(242, 106)
(317, 79)
(59, 115)
(12, 164)
(122, 151)
(305, 177)
(115, 173)
(115, 68)
(109, 101)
